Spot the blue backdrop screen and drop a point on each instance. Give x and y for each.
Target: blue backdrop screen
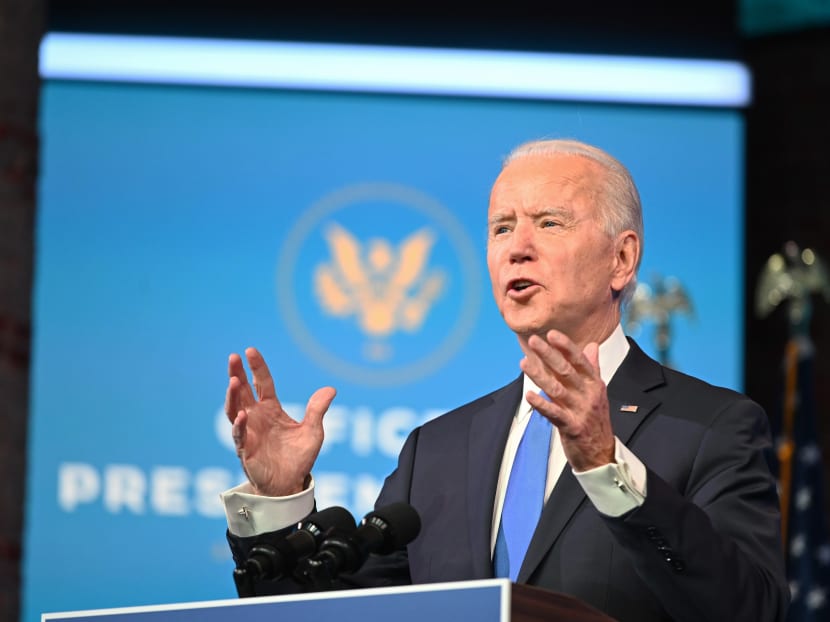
(179, 224)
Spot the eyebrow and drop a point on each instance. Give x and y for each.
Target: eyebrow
(553, 211)
(508, 215)
(503, 216)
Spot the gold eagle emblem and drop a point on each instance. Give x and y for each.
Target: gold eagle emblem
(792, 276)
(386, 289)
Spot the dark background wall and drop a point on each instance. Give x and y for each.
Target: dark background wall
(788, 169)
(788, 198)
(643, 26)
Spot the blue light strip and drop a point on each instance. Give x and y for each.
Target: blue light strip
(387, 69)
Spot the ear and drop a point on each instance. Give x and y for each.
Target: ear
(626, 258)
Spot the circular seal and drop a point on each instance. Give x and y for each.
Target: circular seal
(379, 284)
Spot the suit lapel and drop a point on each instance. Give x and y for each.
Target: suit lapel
(636, 375)
(488, 432)
(630, 387)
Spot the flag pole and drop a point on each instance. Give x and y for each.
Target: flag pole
(786, 447)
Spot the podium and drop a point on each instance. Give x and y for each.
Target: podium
(490, 600)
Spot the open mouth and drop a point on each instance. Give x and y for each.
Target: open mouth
(520, 285)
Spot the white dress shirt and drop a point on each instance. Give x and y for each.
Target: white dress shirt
(614, 489)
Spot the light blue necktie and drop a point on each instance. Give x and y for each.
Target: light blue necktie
(524, 498)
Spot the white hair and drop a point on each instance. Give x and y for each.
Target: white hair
(618, 198)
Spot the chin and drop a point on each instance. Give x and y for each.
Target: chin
(526, 328)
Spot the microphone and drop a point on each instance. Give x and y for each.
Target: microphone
(272, 561)
(381, 532)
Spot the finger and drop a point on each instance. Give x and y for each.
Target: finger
(563, 397)
(263, 382)
(548, 409)
(237, 397)
(239, 394)
(239, 431)
(533, 367)
(317, 406)
(547, 360)
(571, 352)
(232, 400)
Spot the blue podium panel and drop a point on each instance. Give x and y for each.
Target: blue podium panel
(483, 601)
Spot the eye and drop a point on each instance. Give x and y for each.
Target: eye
(499, 229)
(549, 223)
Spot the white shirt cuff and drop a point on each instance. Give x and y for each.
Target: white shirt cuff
(250, 515)
(616, 488)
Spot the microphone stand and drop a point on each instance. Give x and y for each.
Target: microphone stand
(244, 583)
(315, 576)
(319, 572)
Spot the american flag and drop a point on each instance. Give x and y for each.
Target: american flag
(803, 512)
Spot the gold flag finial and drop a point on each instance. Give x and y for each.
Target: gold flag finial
(657, 303)
(791, 277)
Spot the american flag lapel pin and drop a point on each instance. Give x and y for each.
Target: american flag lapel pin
(628, 408)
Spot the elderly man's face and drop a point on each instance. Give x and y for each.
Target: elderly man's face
(551, 264)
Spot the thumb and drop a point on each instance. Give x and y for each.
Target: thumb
(318, 404)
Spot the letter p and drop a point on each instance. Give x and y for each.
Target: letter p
(77, 483)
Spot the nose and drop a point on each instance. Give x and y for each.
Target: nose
(522, 243)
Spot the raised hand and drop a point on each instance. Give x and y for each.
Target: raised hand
(277, 453)
(578, 404)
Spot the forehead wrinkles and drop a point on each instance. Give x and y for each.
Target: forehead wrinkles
(553, 190)
(575, 186)
(582, 180)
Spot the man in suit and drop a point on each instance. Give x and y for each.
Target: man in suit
(658, 503)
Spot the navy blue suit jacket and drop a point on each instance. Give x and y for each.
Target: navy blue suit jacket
(705, 545)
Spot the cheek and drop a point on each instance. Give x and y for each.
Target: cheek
(493, 271)
(593, 268)
(579, 272)
(492, 264)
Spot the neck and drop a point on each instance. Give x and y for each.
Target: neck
(597, 334)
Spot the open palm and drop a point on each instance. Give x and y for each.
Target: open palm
(277, 452)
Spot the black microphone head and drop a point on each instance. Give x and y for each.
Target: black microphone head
(399, 524)
(330, 518)
(273, 560)
(314, 528)
(381, 532)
